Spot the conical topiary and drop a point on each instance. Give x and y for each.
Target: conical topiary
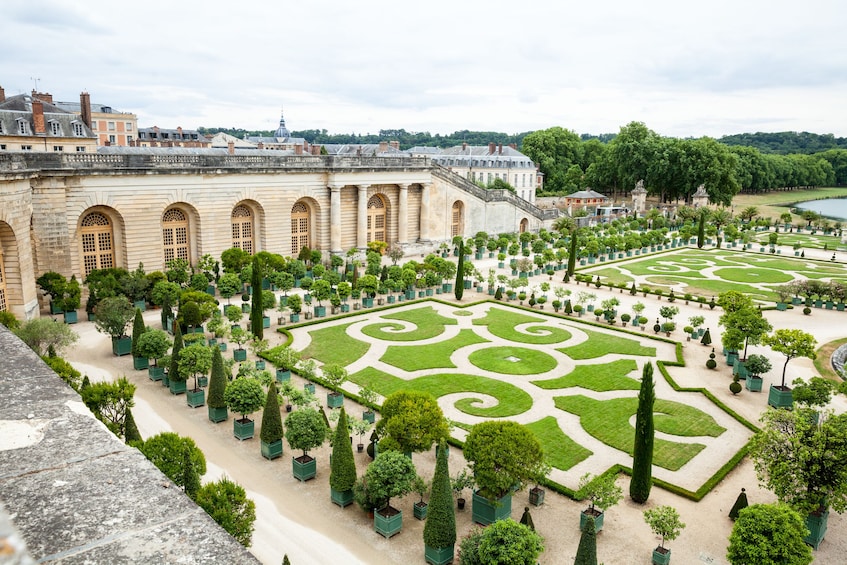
(440, 528)
(190, 476)
(137, 329)
(131, 432)
(342, 474)
(707, 338)
(740, 503)
(459, 289)
(217, 382)
(526, 519)
(586, 553)
(642, 462)
(256, 312)
(173, 368)
(271, 418)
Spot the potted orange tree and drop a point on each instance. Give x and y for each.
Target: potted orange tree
(244, 396)
(305, 429)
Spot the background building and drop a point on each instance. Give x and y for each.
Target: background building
(34, 123)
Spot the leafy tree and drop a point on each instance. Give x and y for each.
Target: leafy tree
(113, 316)
(791, 343)
(745, 326)
(194, 360)
(600, 491)
(52, 283)
(642, 462)
(244, 396)
(42, 334)
(664, 522)
(768, 534)
(229, 285)
(165, 292)
(234, 260)
(9, 320)
(507, 541)
(227, 503)
(342, 475)
(218, 380)
(502, 455)
(153, 344)
(411, 421)
(390, 475)
(586, 553)
(321, 290)
(459, 289)
(256, 312)
(305, 429)
(109, 402)
(65, 371)
(167, 452)
(440, 528)
(271, 418)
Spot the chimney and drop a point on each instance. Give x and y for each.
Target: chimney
(38, 117)
(179, 131)
(260, 145)
(107, 143)
(85, 108)
(316, 149)
(2, 94)
(514, 146)
(298, 149)
(394, 144)
(500, 149)
(491, 147)
(230, 148)
(43, 96)
(464, 146)
(383, 146)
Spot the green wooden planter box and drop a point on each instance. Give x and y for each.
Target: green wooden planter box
(390, 525)
(419, 509)
(243, 429)
(662, 557)
(195, 398)
(369, 416)
(245, 308)
(294, 318)
(731, 358)
(272, 450)
(780, 398)
(70, 317)
(334, 400)
(282, 375)
(92, 316)
(155, 373)
(210, 290)
(122, 346)
(212, 341)
(203, 381)
(222, 346)
(753, 384)
(309, 387)
(816, 523)
(260, 364)
(391, 299)
(320, 311)
(304, 467)
(141, 305)
(218, 415)
(345, 308)
(368, 302)
(54, 310)
(178, 387)
(140, 363)
(536, 496)
(166, 382)
(739, 369)
(485, 512)
(439, 555)
(239, 354)
(446, 287)
(266, 321)
(598, 520)
(341, 498)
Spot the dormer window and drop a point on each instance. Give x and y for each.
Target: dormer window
(23, 126)
(1, 128)
(55, 128)
(78, 129)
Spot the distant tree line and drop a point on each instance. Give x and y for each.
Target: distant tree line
(786, 142)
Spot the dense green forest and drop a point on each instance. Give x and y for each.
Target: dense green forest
(671, 168)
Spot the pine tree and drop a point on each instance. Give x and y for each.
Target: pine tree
(217, 382)
(342, 474)
(256, 313)
(460, 273)
(131, 432)
(586, 553)
(190, 476)
(642, 462)
(173, 368)
(137, 329)
(440, 528)
(271, 418)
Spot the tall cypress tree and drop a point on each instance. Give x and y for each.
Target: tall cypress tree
(440, 528)
(586, 553)
(460, 273)
(342, 474)
(190, 476)
(137, 329)
(217, 383)
(701, 229)
(572, 254)
(173, 368)
(642, 462)
(271, 418)
(256, 327)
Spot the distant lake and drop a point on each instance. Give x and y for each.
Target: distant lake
(831, 207)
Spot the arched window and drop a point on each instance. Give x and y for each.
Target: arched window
(299, 228)
(458, 219)
(98, 249)
(242, 228)
(175, 235)
(376, 219)
(3, 305)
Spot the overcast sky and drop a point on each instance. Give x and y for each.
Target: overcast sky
(685, 69)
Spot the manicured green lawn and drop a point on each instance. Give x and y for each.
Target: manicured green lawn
(429, 324)
(433, 356)
(562, 452)
(512, 360)
(501, 323)
(753, 275)
(806, 241)
(333, 345)
(510, 399)
(599, 344)
(601, 377)
(608, 421)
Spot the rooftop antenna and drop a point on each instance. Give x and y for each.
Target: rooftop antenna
(35, 81)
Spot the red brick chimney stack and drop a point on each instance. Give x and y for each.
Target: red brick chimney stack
(38, 117)
(43, 96)
(500, 149)
(491, 147)
(85, 108)
(2, 94)
(230, 147)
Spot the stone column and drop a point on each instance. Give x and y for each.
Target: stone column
(335, 219)
(403, 215)
(425, 212)
(362, 218)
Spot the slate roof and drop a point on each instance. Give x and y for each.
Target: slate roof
(19, 107)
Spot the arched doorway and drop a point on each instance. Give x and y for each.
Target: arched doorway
(300, 228)
(3, 305)
(242, 228)
(457, 226)
(175, 237)
(98, 242)
(11, 293)
(376, 219)
(524, 225)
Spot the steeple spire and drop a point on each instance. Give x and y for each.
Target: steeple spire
(282, 131)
